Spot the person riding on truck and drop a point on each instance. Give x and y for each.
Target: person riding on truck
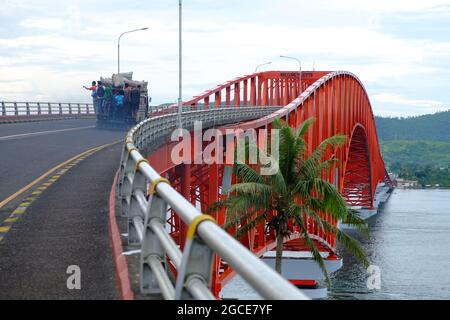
(135, 101)
(119, 104)
(92, 88)
(107, 99)
(100, 96)
(127, 101)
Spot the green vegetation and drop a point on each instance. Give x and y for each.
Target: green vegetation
(433, 127)
(417, 148)
(426, 175)
(297, 192)
(424, 153)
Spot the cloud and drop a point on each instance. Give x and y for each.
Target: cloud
(48, 24)
(65, 48)
(400, 100)
(384, 6)
(388, 104)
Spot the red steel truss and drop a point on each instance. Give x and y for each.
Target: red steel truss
(340, 105)
(357, 188)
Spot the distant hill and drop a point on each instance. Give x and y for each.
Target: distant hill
(417, 148)
(433, 127)
(408, 152)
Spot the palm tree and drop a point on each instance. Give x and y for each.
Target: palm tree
(298, 192)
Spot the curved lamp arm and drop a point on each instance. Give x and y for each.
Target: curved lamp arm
(118, 45)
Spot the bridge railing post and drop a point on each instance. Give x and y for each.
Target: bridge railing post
(134, 212)
(16, 109)
(27, 108)
(60, 109)
(153, 254)
(196, 268)
(39, 108)
(121, 175)
(49, 108)
(3, 109)
(125, 183)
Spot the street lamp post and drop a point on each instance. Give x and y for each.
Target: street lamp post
(118, 46)
(180, 62)
(300, 75)
(261, 65)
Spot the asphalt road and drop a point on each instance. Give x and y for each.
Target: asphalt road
(27, 150)
(65, 225)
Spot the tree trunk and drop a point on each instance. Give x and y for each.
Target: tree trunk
(279, 252)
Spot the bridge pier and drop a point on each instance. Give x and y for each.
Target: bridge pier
(382, 195)
(299, 267)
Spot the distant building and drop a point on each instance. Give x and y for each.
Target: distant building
(393, 176)
(406, 184)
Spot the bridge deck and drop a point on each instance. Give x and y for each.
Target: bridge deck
(30, 149)
(67, 224)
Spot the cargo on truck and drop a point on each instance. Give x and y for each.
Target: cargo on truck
(120, 101)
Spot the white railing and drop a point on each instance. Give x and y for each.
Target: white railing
(29, 109)
(145, 200)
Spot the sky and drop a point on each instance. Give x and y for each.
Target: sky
(400, 49)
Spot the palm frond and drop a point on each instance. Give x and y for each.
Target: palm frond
(348, 242)
(304, 127)
(234, 221)
(313, 162)
(239, 205)
(298, 210)
(314, 251)
(252, 188)
(247, 173)
(357, 222)
(251, 224)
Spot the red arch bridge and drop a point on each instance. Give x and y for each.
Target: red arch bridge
(340, 105)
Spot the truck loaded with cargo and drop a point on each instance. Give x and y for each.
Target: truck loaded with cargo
(119, 101)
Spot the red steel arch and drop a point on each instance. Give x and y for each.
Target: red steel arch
(357, 186)
(340, 104)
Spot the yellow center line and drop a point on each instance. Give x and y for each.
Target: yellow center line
(49, 172)
(4, 229)
(18, 211)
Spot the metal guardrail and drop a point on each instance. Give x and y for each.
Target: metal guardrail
(173, 109)
(18, 109)
(145, 200)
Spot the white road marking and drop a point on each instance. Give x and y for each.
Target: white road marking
(130, 253)
(24, 135)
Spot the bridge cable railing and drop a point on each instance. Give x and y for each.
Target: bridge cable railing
(173, 109)
(27, 109)
(146, 197)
